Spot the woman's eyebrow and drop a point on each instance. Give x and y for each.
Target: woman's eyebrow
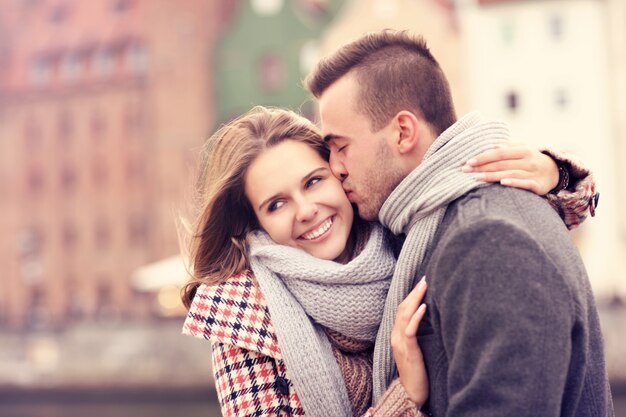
(312, 173)
(267, 200)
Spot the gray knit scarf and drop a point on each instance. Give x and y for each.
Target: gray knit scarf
(416, 208)
(304, 293)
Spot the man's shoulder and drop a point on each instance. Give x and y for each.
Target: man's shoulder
(496, 206)
(495, 226)
(498, 218)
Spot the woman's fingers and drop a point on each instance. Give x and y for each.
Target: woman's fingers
(411, 328)
(518, 166)
(410, 304)
(504, 153)
(530, 185)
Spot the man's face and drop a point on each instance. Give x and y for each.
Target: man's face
(362, 159)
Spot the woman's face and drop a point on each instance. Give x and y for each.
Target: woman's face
(298, 201)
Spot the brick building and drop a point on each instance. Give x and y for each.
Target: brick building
(103, 105)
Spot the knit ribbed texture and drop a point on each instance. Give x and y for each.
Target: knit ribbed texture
(416, 208)
(355, 361)
(304, 293)
(396, 402)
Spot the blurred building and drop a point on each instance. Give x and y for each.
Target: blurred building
(103, 106)
(545, 67)
(436, 20)
(617, 61)
(268, 48)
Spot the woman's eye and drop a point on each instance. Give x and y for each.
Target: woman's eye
(275, 205)
(312, 181)
(341, 148)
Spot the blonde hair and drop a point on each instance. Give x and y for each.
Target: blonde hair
(216, 239)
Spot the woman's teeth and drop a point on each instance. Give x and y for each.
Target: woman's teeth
(319, 231)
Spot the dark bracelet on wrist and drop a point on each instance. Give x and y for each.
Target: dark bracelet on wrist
(563, 179)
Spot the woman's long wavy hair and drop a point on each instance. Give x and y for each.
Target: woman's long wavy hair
(215, 240)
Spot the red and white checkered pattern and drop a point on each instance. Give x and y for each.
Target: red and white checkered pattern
(250, 375)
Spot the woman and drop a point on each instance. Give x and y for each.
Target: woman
(276, 235)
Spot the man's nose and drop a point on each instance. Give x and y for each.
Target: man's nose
(337, 167)
(306, 211)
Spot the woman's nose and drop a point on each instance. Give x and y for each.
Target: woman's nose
(306, 211)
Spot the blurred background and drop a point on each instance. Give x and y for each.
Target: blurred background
(105, 104)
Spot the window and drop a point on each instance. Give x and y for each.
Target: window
(99, 172)
(30, 241)
(30, 246)
(556, 27)
(136, 59)
(138, 229)
(133, 119)
(71, 67)
(507, 32)
(512, 101)
(69, 236)
(58, 14)
(69, 179)
(37, 316)
(135, 169)
(103, 63)
(273, 73)
(65, 127)
(97, 124)
(40, 71)
(561, 99)
(105, 305)
(121, 6)
(32, 134)
(36, 181)
(102, 234)
(75, 308)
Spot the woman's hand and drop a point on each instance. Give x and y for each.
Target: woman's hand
(516, 165)
(406, 351)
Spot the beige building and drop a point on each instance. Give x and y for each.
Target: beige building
(100, 121)
(436, 20)
(531, 65)
(617, 64)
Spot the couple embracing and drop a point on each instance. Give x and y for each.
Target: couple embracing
(374, 268)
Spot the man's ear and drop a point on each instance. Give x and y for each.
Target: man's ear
(409, 133)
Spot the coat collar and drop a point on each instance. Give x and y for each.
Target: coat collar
(234, 313)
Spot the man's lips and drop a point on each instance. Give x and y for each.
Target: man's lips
(348, 193)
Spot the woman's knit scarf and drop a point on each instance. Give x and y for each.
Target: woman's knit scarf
(304, 293)
(416, 208)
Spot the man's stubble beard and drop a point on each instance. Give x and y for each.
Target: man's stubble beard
(379, 185)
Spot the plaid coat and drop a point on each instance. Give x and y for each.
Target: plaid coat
(250, 374)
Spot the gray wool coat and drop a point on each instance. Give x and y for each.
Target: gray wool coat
(511, 327)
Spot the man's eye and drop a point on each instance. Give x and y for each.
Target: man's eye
(275, 205)
(341, 148)
(312, 181)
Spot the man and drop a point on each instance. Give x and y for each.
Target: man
(511, 327)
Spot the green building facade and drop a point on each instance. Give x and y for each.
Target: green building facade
(266, 52)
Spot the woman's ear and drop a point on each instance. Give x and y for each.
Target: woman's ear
(409, 132)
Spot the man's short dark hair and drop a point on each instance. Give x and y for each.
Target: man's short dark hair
(396, 71)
